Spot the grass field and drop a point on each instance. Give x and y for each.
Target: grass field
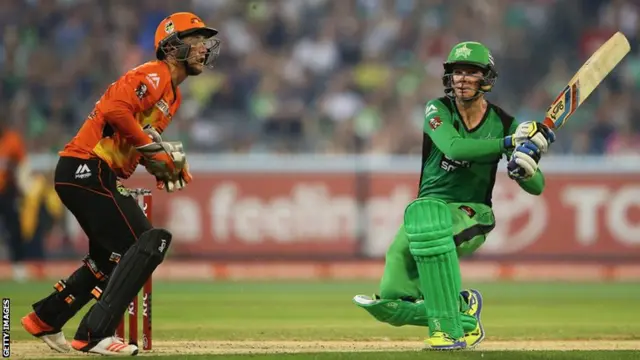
(316, 320)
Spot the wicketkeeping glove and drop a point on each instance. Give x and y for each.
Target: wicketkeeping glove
(524, 161)
(178, 183)
(538, 133)
(152, 133)
(163, 160)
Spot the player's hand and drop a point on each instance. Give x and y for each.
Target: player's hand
(540, 134)
(524, 161)
(179, 183)
(163, 160)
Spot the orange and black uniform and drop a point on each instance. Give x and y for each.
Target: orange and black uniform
(103, 151)
(12, 154)
(87, 181)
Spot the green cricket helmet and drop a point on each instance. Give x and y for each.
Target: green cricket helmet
(470, 53)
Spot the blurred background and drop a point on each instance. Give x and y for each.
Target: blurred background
(306, 137)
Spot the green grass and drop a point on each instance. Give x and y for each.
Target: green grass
(323, 311)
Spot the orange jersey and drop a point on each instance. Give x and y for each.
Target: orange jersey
(12, 153)
(143, 96)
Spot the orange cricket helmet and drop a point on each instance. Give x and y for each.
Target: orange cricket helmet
(175, 27)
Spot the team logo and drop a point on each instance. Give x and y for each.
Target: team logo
(463, 52)
(169, 27)
(141, 91)
(435, 122)
(122, 189)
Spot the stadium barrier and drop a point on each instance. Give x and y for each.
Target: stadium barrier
(320, 215)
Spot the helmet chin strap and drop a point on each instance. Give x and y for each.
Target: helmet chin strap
(470, 99)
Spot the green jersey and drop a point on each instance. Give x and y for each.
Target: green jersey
(460, 164)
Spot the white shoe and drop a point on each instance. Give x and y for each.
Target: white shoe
(56, 342)
(37, 328)
(108, 346)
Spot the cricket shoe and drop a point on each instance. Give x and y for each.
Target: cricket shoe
(54, 338)
(474, 299)
(112, 346)
(442, 341)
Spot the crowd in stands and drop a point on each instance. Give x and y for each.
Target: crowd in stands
(317, 76)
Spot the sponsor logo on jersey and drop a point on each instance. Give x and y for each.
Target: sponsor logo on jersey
(468, 210)
(450, 165)
(164, 108)
(153, 79)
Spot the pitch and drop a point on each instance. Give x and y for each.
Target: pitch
(264, 320)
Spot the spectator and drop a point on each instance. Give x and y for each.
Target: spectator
(314, 75)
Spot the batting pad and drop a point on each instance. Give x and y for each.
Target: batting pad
(428, 225)
(133, 270)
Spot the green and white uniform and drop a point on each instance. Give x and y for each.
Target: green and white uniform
(452, 213)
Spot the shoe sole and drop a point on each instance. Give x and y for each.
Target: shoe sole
(455, 346)
(478, 318)
(87, 348)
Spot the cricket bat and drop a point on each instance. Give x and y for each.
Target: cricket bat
(588, 77)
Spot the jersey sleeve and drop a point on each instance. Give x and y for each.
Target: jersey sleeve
(438, 125)
(133, 93)
(512, 130)
(534, 185)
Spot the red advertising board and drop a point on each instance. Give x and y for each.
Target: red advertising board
(253, 215)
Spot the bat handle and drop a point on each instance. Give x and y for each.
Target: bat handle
(550, 124)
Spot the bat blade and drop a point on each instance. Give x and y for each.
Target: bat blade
(586, 79)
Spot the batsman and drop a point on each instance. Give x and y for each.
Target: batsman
(465, 136)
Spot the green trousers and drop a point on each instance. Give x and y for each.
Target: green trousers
(471, 225)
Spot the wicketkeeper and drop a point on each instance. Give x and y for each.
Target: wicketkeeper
(465, 136)
(122, 131)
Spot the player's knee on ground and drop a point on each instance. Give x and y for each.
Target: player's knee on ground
(73, 293)
(394, 312)
(428, 226)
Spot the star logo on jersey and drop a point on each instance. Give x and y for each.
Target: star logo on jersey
(463, 52)
(435, 122)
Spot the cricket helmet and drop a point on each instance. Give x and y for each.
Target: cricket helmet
(176, 27)
(474, 54)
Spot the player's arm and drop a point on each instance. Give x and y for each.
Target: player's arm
(533, 185)
(128, 96)
(438, 125)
